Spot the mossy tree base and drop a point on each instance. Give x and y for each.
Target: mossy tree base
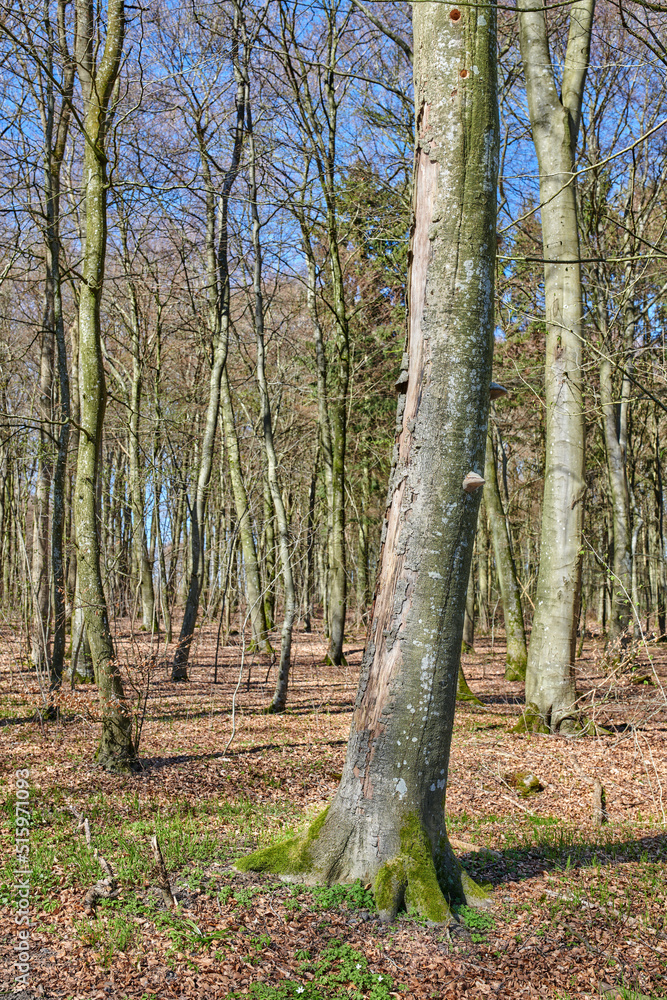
(329, 661)
(463, 692)
(531, 721)
(534, 721)
(416, 879)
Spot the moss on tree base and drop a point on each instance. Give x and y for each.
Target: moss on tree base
(413, 880)
(289, 857)
(531, 721)
(328, 661)
(463, 692)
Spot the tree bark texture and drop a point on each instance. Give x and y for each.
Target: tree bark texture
(515, 665)
(550, 683)
(142, 560)
(386, 823)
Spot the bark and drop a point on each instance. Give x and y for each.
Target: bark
(363, 583)
(321, 134)
(246, 536)
(310, 546)
(483, 570)
(41, 583)
(386, 823)
(515, 664)
(615, 444)
(269, 557)
(661, 554)
(550, 682)
(56, 154)
(116, 750)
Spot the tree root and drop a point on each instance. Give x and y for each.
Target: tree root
(414, 879)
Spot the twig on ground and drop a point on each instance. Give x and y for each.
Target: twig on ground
(106, 888)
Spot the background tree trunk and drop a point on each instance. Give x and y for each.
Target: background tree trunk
(550, 684)
(116, 749)
(515, 668)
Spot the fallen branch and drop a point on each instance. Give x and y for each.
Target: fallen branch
(106, 888)
(83, 823)
(163, 883)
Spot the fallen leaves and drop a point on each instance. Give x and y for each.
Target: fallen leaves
(576, 907)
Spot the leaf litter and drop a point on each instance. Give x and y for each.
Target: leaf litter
(579, 908)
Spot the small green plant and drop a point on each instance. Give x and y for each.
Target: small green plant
(354, 896)
(340, 973)
(244, 897)
(225, 894)
(107, 935)
(479, 922)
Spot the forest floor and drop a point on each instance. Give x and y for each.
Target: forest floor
(579, 909)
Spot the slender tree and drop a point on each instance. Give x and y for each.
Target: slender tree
(97, 75)
(515, 663)
(554, 119)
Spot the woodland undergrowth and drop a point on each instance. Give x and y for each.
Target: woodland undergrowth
(579, 905)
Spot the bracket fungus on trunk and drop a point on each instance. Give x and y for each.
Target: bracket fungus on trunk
(496, 390)
(473, 481)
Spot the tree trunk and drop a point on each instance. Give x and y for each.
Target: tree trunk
(141, 557)
(242, 507)
(386, 823)
(515, 663)
(41, 580)
(483, 570)
(363, 584)
(219, 400)
(310, 546)
(280, 695)
(116, 750)
(468, 640)
(550, 683)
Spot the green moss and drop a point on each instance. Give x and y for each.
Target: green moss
(389, 888)
(515, 668)
(525, 782)
(328, 662)
(411, 878)
(288, 857)
(531, 721)
(463, 692)
(474, 894)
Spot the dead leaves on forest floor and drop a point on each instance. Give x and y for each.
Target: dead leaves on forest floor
(578, 909)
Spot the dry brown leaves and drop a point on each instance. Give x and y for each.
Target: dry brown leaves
(577, 910)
